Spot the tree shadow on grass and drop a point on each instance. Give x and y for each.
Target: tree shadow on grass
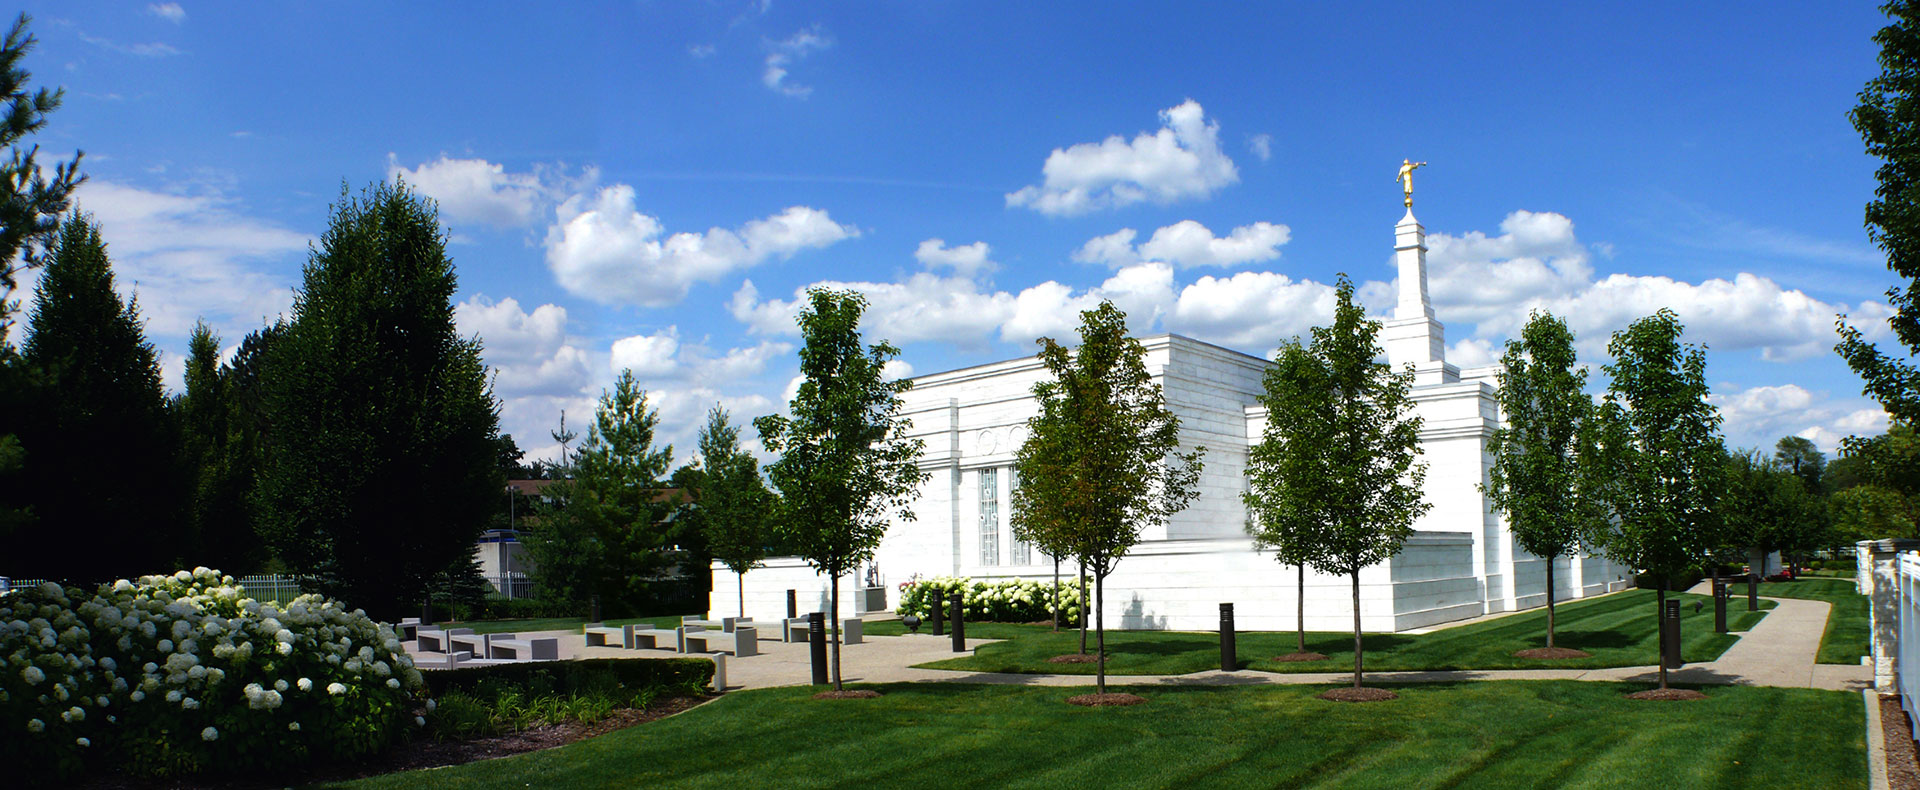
(1593, 640)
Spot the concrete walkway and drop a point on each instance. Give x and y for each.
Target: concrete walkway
(1780, 651)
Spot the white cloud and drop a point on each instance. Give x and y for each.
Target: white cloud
(896, 369)
(149, 50)
(648, 356)
(172, 12)
(701, 50)
(1261, 145)
(1474, 352)
(530, 353)
(1180, 161)
(787, 52)
(925, 306)
(1251, 310)
(602, 248)
(190, 257)
(479, 191)
(1143, 291)
(1187, 244)
(1757, 417)
(966, 261)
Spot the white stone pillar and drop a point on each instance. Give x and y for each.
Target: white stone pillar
(1413, 337)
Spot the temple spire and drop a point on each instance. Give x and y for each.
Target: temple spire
(1413, 336)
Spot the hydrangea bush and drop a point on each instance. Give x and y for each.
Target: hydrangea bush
(999, 600)
(174, 675)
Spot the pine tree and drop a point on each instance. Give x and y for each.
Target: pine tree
(379, 468)
(102, 478)
(219, 522)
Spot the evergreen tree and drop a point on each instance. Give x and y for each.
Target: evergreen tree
(846, 463)
(1366, 467)
(1535, 476)
(102, 477)
(380, 467)
(219, 520)
(1286, 504)
(1659, 464)
(1104, 461)
(735, 507)
(605, 531)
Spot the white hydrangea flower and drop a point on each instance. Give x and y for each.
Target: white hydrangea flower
(84, 743)
(293, 726)
(33, 675)
(305, 684)
(280, 685)
(73, 714)
(36, 725)
(336, 689)
(393, 683)
(208, 734)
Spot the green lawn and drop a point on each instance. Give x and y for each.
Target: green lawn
(1846, 638)
(574, 624)
(1483, 735)
(1617, 629)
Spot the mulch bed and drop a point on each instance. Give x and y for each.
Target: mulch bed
(1667, 694)
(1107, 700)
(1290, 657)
(1074, 658)
(1903, 771)
(848, 694)
(1362, 694)
(420, 754)
(1552, 652)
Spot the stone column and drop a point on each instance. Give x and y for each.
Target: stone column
(1879, 568)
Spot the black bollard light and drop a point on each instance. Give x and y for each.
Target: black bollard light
(793, 605)
(593, 616)
(939, 608)
(817, 641)
(1719, 605)
(1229, 658)
(1670, 622)
(959, 624)
(1753, 592)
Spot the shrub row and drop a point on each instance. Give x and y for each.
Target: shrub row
(487, 700)
(998, 600)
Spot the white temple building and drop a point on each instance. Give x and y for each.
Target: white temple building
(1460, 562)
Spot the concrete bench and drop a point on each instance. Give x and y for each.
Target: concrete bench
(726, 624)
(547, 649)
(438, 641)
(659, 639)
(851, 632)
(409, 628)
(472, 642)
(598, 635)
(741, 642)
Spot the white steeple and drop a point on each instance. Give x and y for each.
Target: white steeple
(1413, 336)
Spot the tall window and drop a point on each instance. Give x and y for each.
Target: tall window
(1022, 552)
(989, 517)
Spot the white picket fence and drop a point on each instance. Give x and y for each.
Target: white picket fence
(1907, 666)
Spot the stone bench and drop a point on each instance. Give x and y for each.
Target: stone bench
(659, 639)
(741, 642)
(547, 649)
(409, 628)
(598, 635)
(438, 641)
(851, 632)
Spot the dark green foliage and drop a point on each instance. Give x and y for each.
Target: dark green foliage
(1341, 453)
(846, 465)
(732, 505)
(1766, 507)
(1102, 461)
(605, 531)
(1800, 458)
(1659, 465)
(380, 466)
(30, 212)
(1535, 475)
(218, 459)
(1888, 119)
(102, 478)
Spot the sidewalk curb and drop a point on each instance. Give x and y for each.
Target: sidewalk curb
(1876, 742)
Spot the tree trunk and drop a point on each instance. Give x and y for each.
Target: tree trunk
(1356, 628)
(833, 629)
(1056, 595)
(1660, 614)
(1550, 603)
(742, 579)
(1083, 607)
(1301, 605)
(1100, 626)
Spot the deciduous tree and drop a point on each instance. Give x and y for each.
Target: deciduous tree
(1535, 475)
(1888, 119)
(846, 464)
(1106, 447)
(735, 508)
(1285, 498)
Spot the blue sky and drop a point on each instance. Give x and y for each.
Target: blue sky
(648, 185)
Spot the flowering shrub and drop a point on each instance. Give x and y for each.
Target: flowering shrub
(174, 675)
(999, 600)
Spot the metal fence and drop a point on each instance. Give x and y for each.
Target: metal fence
(512, 585)
(1907, 665)
(279, 588)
